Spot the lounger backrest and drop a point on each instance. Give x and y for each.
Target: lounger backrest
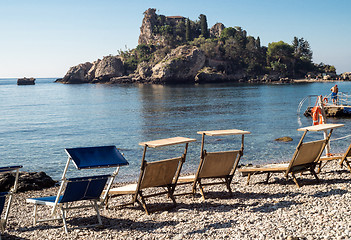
(217, 164)
(84, 188)
(96, 157)
(159, 173)
(309, 152)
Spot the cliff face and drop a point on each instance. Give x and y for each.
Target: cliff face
(154, 27)
(146, 30)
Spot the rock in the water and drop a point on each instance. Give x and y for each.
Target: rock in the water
(284, 139)
(77, 74)
(26, 181)
(26, 81)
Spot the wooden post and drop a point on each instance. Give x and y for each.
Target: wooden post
(325, 132)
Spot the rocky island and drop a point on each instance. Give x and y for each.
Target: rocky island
(175, 49)
(26, 81)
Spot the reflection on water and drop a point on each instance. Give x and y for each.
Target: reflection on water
(38, 122)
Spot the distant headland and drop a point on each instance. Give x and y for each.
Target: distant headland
(175, 49)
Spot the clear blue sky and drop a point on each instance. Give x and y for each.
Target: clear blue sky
(44, 38)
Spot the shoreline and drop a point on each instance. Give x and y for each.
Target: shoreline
(316, 80)
(277, 210)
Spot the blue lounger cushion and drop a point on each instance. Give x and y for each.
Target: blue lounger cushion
(77, 189)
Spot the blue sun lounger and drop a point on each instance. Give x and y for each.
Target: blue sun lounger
(79, 189)
(3, 195)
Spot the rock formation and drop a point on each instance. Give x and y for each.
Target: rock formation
(98, 72)
(77, 74)
(172, 49)
(181, 64)
(209, 75)
(26, 181)
(216, 30)
(109, 67)
(26, 81)
(146, 30)
(284, 139)
(345, 76)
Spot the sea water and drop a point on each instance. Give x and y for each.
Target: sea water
(38, 122)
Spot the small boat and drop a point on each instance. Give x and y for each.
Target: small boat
(26, 81)
(341, 108)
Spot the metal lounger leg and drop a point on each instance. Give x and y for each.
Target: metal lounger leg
(96, 207)
(63, 212)
(35, 215)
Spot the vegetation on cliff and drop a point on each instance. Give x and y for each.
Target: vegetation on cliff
(225, 54)
(238, 51)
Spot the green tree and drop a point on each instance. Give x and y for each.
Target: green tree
(279, 51)
(258, 42)
(227, 32)
(188, 35)
(180, 30)
(302, 49)
(280, 57)
(203, 26)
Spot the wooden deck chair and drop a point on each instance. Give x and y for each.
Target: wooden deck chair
(155, 174)
(82, 192)
(305, 158)
(8, 195)
(343, 157)
(219, 166)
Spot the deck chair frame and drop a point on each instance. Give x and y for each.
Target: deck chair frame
(145, 178)
(291, 168)
(342, 157)
(59, 203)
(205, 158)
(9, 194)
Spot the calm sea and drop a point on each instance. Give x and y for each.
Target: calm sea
(38, 122)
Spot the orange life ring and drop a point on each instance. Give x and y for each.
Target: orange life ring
(317, 115)
(325, 100)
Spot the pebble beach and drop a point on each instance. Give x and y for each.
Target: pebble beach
(277, 210)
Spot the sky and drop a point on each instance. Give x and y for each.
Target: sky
(44, 38)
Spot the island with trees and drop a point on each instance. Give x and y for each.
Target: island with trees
(175, 49)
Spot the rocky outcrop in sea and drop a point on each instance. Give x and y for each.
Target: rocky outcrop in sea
(172, 58)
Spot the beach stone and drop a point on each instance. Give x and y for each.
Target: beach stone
(284, 139)
(26, 181)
